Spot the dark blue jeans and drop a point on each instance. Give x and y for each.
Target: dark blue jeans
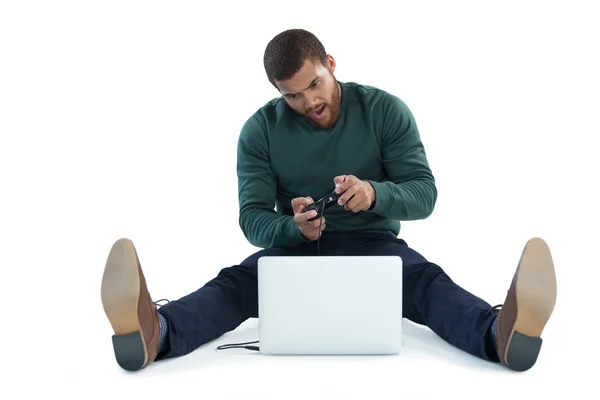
(430, 297)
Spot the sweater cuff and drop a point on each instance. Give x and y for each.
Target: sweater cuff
(383, 198)
(294, 233)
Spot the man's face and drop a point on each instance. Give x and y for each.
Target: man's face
(314, 93)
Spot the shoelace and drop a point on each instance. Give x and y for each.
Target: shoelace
(158, 301)
(495, 309)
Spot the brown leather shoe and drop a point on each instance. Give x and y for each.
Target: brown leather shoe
(527, 308)
(129, 308)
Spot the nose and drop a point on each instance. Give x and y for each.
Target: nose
(310, 101)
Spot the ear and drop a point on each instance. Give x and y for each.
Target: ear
(330, 63)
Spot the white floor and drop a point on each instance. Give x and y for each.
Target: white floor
(57, 340)
(426, 367)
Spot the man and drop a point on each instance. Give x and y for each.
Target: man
(320, 134)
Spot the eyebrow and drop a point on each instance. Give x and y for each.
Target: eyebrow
(311, 83)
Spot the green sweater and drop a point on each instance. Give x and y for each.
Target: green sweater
(282, 156)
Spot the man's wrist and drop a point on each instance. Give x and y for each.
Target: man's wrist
(373, 196)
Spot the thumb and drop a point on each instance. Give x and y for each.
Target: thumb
(299, 203)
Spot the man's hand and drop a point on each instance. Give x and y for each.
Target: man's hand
(309, 229)
(358, 195)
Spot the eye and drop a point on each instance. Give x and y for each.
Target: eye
(315, 83)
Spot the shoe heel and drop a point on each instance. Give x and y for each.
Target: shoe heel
(523, 351)
(129, 351)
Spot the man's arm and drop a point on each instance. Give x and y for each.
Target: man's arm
(257, 187)
(410, 193)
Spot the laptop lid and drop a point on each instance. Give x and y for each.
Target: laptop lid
(330, 305)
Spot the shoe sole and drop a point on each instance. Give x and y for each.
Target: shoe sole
(536, 297)
(120, 296)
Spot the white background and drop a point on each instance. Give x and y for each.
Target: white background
(121, 118)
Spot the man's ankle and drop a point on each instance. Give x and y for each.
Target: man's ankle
(162, 339)
(490, 341)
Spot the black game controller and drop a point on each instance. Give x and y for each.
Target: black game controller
(322, 204)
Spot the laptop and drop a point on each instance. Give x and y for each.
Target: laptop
(330, 305)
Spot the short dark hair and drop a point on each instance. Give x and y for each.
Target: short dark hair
(285, 54)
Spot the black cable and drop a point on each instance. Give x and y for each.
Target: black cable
(319, 235)
(257, 348)
(239, 346)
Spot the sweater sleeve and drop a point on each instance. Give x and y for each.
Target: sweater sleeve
(257, 188)
(410, 192)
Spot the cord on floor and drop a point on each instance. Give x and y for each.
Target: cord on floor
(245, 345)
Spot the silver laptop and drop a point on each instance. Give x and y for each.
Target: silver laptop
(326, 305)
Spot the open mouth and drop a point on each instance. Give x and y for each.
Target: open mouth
(318, 112)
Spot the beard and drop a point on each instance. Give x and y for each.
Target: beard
(332, 110)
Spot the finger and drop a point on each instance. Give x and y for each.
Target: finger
(356, 200)
(315, 223)
(311, 225)
(300, 203)
(303, 217)
(296, 204)
(321, 231)
(351, 191)
(339, 179)
(357, 204)
(350, 181)
(313, 232)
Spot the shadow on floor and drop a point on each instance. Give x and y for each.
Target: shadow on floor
(416, 339)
